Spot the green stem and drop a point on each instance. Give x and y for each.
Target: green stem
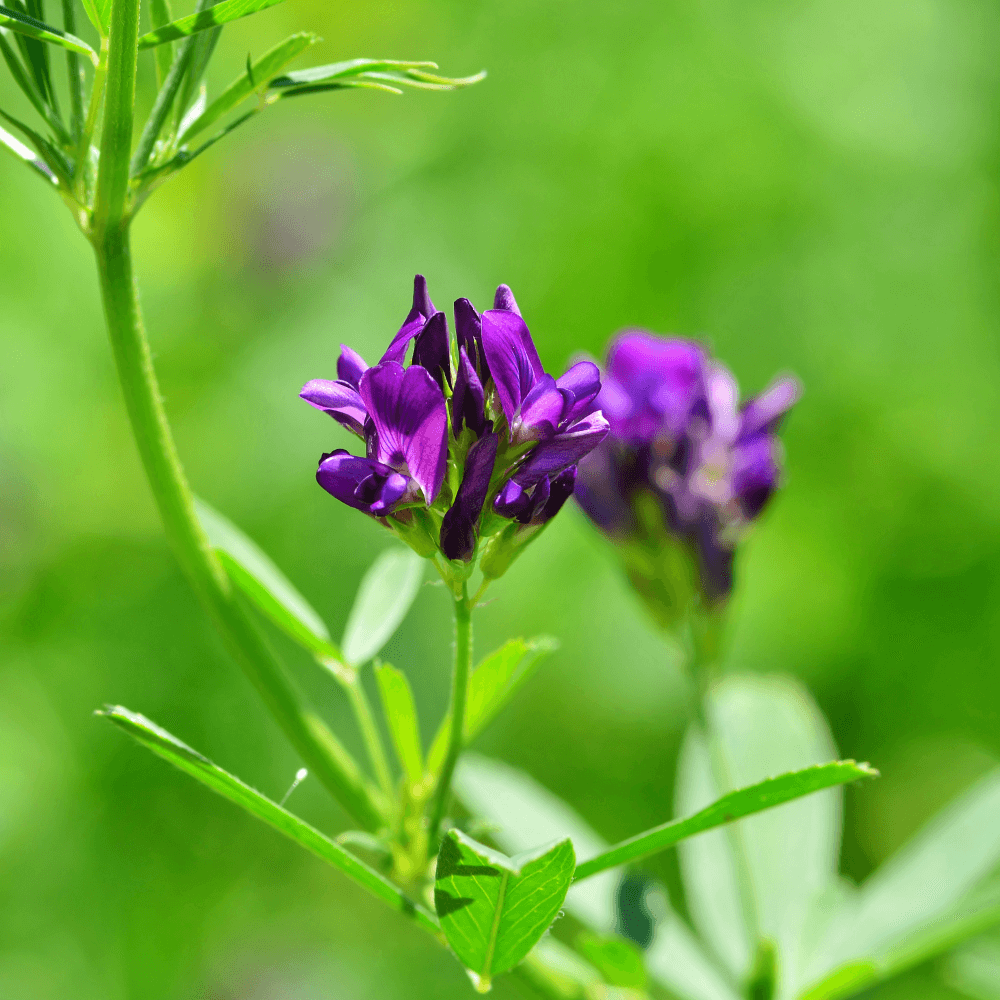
(459, 688)
(314, 742)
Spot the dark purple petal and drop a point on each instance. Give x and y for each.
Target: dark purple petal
(565, 449)
(339, 399)
(408, 410)
(504, 299)
(361, 483)
(512, 500)
(432, 351)
(603, 488)
(469, 333)
(350, 366)
(467, 399)
(459, 526)
(715, 561)
(755, 473)
(583, 381)
(541, 411)
(560, 491)
(764, 412)
(512, 358)
(539, 498)
(420, 312)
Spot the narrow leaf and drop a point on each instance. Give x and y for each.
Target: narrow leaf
(340, 70)
(23, 153)
(202, 48)
(492, 684)
(54, 159)
(221, 13)
(401, 715)
(744, 802)
(242, 87)
(384, 597)
(182, 756)
(160, 15)
(266, 586)
(494, 909)
(25, 25)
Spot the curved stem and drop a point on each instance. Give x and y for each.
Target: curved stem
(459, 689)
(315, 743)
(369, 733)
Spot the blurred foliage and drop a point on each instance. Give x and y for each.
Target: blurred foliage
(813, 187)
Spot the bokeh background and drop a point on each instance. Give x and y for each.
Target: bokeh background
(811, 186)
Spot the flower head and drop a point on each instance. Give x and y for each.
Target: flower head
(471, 443)
(685, 465)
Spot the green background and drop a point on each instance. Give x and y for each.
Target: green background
(811, 186)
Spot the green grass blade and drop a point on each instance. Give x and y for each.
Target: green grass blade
(743, 802)
(341, 70)
(243, 86)
(35, 52)
(266, 586)
(203, 46)
(54, 159)
(29, 88)
(384, 597)
(183, 757)
(221, 13)
(24, 154)
(401, 715)
(376, 74)
(28, 26)
(159, 16)
(492, 684)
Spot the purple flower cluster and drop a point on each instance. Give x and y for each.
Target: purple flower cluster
(470, 439)
(684, 460)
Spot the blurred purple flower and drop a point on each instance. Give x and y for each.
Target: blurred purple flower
(679, 436)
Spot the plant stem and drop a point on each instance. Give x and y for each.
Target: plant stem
(314, 742)
(459, 688)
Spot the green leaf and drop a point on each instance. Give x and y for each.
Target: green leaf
(54, 158)
(974, 969)
(619, 961)
(243, 86)
(526, 813)
(221, 13)
(28, 26)
(378, 74)
(494, 909)
(27, 156)
(492, 684)
(735, 805)
(182, 756)
(555, 970)
(160, 15)
(384, 597)
(29, 88)
(341, 70)
(202, 48)
(401, 715)
(266, 586)
(926, 898)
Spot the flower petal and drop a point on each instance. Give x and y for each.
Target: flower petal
(339, 399)
(458, 528)
(512, 358)
(504, 299)
(560, 491)
(512, 500)
(583, 381)
(432, 351)
(467, 399)
(408, 411)
(361, 483)
(565, 449)
(350, 366)
(469, 333)
(541, 411)
(764, 412)
(421, 311)
(755, 473)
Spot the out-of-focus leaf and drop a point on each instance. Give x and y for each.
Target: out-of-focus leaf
(243, 86)
(733, 806)
(525, 813)
(221, 13)
(619, 961)
(25, 25)
(401, 715)
(258, 577)
(926, 898)
(54, 159)
(24, 154)
(160, 15)
(35, 51)
(182, 756)
(384, 597)
(557, 971)
(29, 88)
(494, 909)
(492, 684)
(974, 968)
(202, 48)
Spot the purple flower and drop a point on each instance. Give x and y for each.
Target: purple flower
(681, 444)
(509, 482)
